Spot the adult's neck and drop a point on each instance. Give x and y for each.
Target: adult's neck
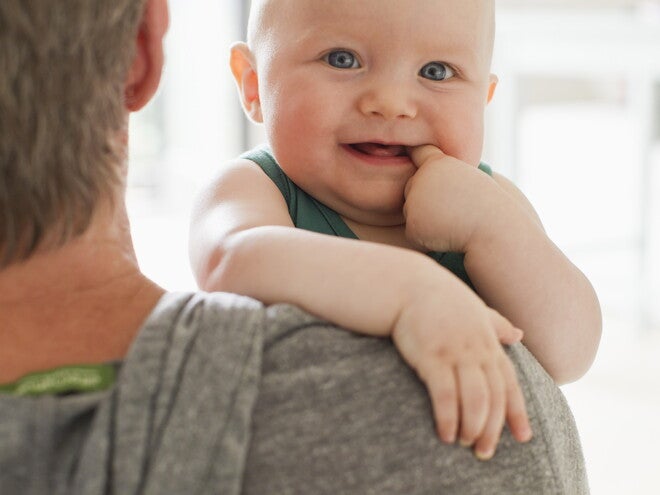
(83, 302)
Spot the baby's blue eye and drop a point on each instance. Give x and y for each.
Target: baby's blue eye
(436, 71)
(342, 59)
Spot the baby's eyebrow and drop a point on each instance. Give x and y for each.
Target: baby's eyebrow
(464, 55)
(333, 35)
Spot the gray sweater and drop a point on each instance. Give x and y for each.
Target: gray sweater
(220, 395)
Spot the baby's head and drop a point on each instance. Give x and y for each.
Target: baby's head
(343, 86)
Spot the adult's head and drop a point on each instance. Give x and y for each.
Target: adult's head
(70, 71)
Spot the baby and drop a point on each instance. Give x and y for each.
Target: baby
(370, 207)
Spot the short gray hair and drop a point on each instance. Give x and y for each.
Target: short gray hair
(63, 65)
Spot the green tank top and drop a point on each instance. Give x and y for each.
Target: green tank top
(309, 214)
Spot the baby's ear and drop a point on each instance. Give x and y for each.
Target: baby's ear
(493, 80)
(242, 66)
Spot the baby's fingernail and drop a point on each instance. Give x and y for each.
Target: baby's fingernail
(446, 437)
(450, 439)
(464, 443)
(485, 454)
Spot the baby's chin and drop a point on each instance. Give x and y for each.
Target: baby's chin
(376, 212)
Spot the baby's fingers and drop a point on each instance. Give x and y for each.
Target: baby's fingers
(421, 154)
(441, 383)
(516, 413)
(485, 446)
(475, 403)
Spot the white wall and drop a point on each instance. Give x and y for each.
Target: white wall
(574, 123)
(193, 126)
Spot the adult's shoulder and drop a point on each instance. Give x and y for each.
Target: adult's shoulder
(342, 413)
(180, 412)
(200, 310)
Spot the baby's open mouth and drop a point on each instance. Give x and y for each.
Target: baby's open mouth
(380, 150)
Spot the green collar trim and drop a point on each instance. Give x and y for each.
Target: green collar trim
(67, 379)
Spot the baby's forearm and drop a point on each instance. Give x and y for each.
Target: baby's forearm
(356, 284)
(439, 326)
(529, 280)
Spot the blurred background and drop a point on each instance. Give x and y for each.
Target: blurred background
(575, 123)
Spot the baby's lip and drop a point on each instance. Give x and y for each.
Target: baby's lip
(377, 149)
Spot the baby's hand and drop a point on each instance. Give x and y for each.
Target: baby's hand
(453, 346)
(447, 201)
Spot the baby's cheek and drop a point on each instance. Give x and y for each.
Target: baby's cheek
(467, 144)
(462, 134)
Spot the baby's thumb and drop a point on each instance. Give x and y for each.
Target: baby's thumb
(506, 333)
(423, 153)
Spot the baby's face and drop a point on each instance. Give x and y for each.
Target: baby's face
(346, 85)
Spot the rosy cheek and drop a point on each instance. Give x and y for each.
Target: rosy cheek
(469, 136)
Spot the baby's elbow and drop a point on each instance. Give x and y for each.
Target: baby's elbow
(578, 362)
(230, 265)
(223, 275)
(210, 271)
(571, 374)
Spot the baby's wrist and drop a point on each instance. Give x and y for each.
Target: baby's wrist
(506, 223)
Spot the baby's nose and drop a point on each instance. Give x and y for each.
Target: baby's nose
(389, 101)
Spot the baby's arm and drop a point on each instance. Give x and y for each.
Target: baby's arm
(243, 241)
(513, 264)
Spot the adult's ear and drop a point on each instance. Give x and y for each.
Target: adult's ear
(241, 61)
(145, 71)
(493, 80)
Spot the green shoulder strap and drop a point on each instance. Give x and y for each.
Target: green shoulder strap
(306, 212)
(309, 214)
